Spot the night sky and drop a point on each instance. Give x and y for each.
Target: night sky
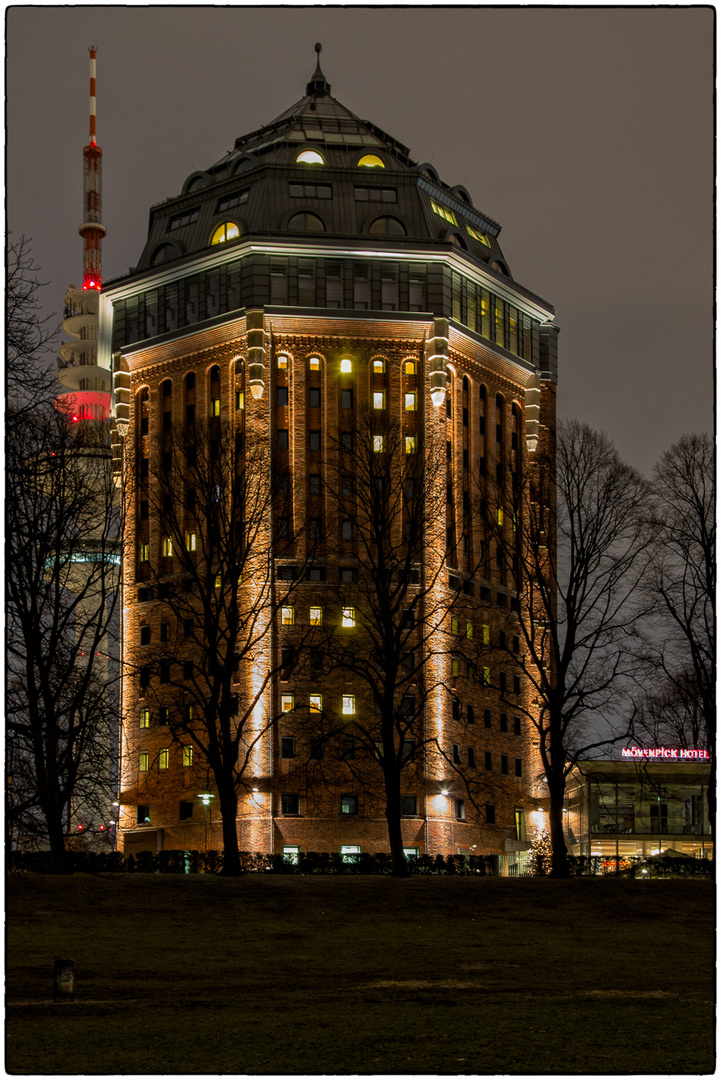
(587, 133)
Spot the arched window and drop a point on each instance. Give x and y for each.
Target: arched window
(410, 367)
(387, 226)
(314, 363)
(310, 157)
(164, 253)
(226, 231)
(379, 366)
(189, 397)
(196, 182)
(458, 241)
(214, 390)
(499, 418)
(372, 161)
(243, 164)
(306, 223)
(141, 412)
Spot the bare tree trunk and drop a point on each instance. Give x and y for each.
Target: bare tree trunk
(559, 857)
(229, 812)
(393, 819)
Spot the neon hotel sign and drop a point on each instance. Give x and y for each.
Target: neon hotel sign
(666, 753)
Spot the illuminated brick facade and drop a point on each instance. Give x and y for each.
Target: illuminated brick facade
(297, 304)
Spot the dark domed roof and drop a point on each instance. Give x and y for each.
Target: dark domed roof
(318, 169)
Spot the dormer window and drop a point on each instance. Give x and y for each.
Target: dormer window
(226, 231)
(480, 236)
(444, 213)
(371, 161)
(310, 157)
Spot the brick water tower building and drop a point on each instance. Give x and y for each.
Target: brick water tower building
(325, 380)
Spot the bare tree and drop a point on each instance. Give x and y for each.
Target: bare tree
(386, 528)
(580, 534)
(212, 497)
(61, 588)
(28, 337)
(682, 580)
(674, 714)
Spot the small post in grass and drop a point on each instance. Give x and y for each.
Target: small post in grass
(64, 980)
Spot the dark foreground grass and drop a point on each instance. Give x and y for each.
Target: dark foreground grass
(289, 975)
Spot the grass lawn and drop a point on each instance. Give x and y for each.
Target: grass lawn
(288, 975)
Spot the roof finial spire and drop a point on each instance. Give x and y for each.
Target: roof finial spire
(319, 83)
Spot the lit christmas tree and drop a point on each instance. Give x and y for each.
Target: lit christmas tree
(540, 852)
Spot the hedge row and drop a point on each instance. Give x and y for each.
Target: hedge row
(198, 862)
(636, 866)
(324, 862)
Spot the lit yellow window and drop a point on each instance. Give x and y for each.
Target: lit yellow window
(215, 406)
(346, 365)
(379, 399)
(167, 546)
(479, 235)
(218, 580)
(287, 702)
(410, 402)
(455, 666)
(164, 759)
(469, 629)
(454, 624)
(287, 616)
(349, 704)
(143, 761)
(486, 676)
(316, 703)
(282, 362)
(410, 444)
(348, 618)
(310, 157)
(226, 231)
(379, 444)
(316, 616)
(145, 552)
(379, 367)
(410, 367)
(145, 718)
(499, 515)
(239, 399)
(371, 161)
(187, 756)
(444, 213)
(514, 522)
(191, 540)
(314, 363)
(486, 634)
(190, 712)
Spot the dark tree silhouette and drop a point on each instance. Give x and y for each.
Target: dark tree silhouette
(580, 537)
(682, 581)
(61, 588)
(212, 497)
(387, 522)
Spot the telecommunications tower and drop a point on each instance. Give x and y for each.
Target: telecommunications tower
(87, 383)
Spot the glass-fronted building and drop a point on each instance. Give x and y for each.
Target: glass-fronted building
(639, 808)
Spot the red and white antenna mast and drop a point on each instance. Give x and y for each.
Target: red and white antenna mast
(92, 230)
